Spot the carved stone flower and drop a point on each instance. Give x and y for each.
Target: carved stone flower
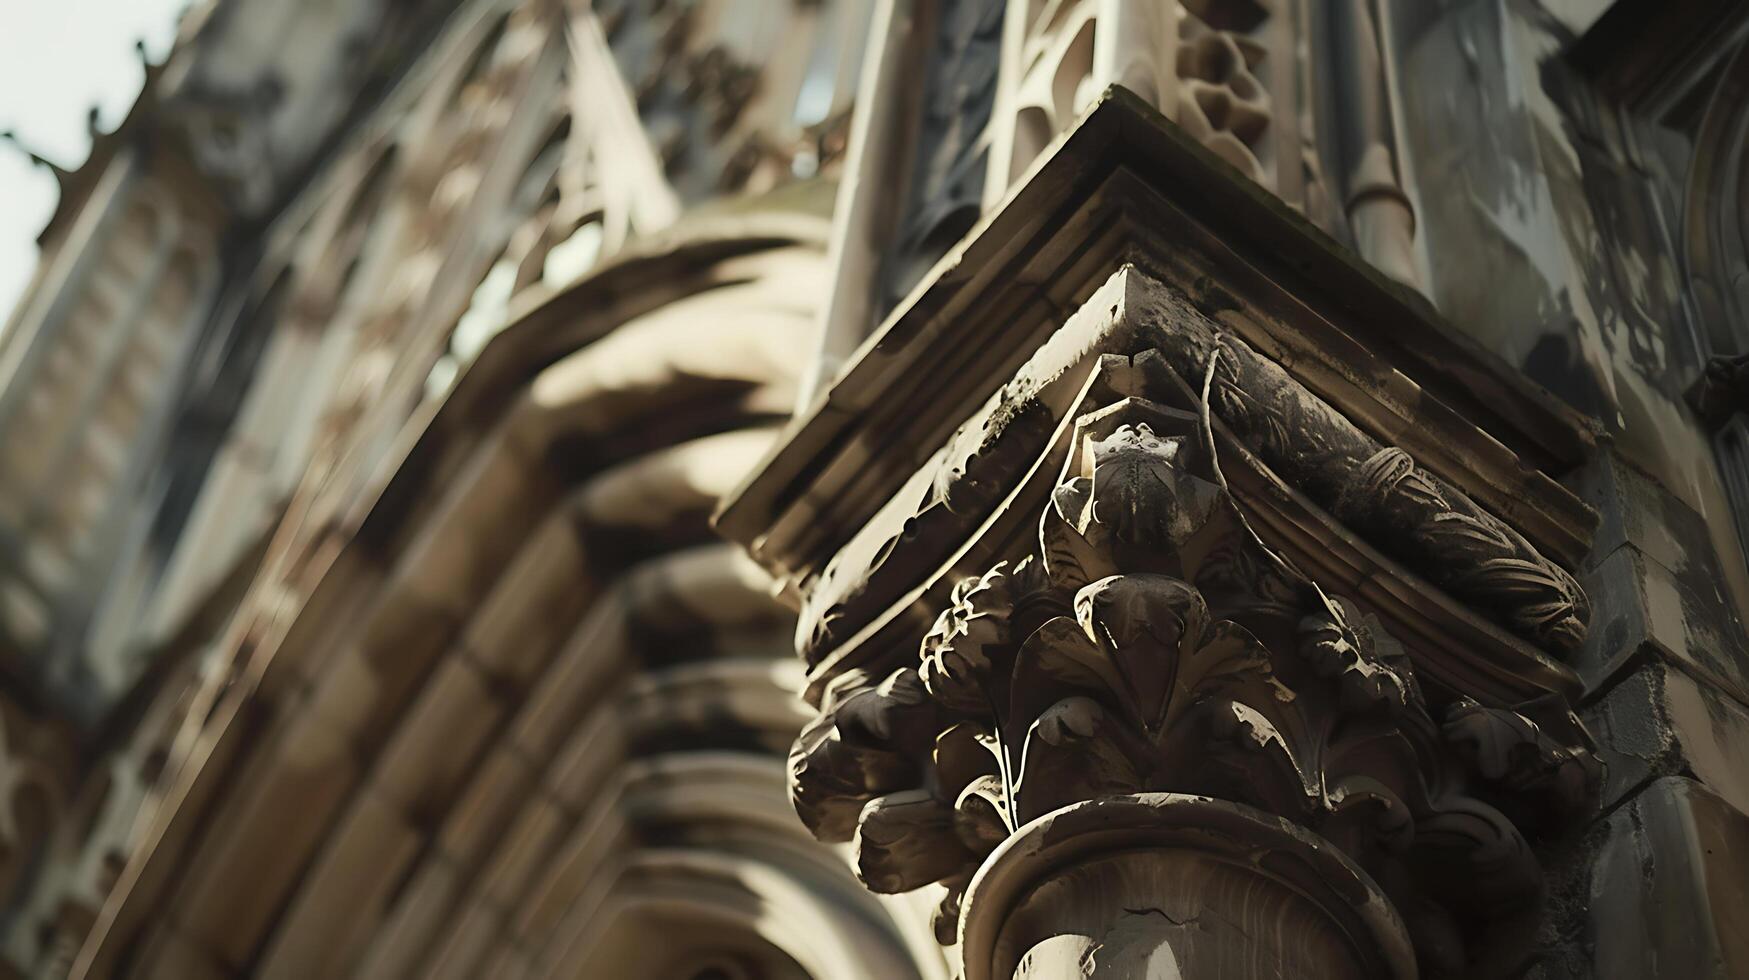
(957, 650)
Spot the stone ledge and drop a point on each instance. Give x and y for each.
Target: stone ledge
(1125, 187)
(1660, 722)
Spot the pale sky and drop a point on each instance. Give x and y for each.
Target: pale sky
(58, 58)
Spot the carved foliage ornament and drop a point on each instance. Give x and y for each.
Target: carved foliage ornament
(1153, 643)
(1382, 492)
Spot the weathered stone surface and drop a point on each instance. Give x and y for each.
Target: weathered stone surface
(1643, 609)
(284, 808)
(434, 784)
(1670, 894)
(1659, 588)
(345, 898)
(427, 760)
(1176, 535)
(1331, 499)
(1660, 721)
(1634, 509)
(420, 905)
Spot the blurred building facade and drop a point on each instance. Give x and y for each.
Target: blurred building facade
(456, 451)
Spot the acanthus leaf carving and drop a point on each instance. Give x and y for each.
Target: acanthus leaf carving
(1153, 643)
(863, 744)
(906, 840)
(958, 650)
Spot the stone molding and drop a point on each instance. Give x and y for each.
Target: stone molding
(1299, 900)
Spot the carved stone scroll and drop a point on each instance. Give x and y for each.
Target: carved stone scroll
(1380, 490)
(1149, 642)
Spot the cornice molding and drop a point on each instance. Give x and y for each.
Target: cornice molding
(1125, 186)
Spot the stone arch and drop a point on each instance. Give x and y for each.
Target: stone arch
(525, 678)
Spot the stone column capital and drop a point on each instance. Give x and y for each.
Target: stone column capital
(1148, 642)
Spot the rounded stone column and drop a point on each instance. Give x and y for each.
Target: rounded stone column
(1160, 886)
